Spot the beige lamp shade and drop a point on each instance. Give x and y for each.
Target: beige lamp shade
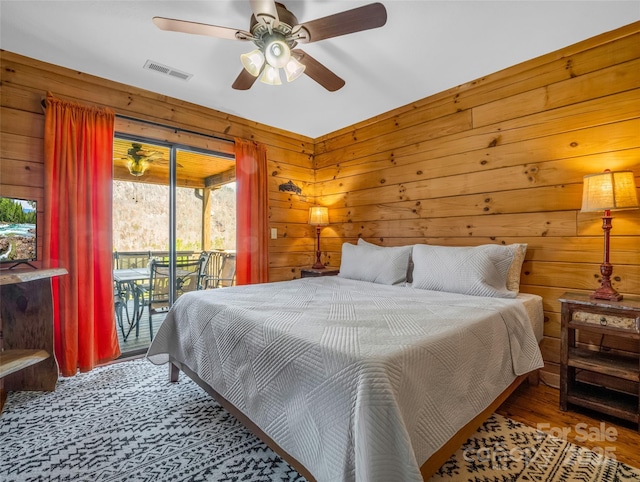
(253, 62)
(270, 75)
(293, 69)
(609, 191)
(318, 216)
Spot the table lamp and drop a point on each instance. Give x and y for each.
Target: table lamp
(608, 191)
(318, 217)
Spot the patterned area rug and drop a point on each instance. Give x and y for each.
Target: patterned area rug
(504, 450)
(126, 422)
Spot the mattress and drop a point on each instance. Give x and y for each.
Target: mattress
(355, 380)
(533, 306)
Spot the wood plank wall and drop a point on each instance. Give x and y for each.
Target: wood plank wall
(497, 160)
(501, 160)
(25, 82)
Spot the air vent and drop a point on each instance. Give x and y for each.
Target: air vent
(164, 69)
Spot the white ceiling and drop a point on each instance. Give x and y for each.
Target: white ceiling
(426, 47)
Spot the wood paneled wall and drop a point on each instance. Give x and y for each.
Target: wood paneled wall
(26, 81)
(497, 160)
(501, 160)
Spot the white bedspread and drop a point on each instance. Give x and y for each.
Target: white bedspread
(357, 381)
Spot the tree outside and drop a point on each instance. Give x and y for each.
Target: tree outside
(141, 217)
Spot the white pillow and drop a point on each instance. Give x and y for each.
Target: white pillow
(362, 242)
(477, 270)
(386, 266)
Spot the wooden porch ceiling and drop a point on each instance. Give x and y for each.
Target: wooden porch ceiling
(194, 169)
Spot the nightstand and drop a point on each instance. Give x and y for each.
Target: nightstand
(608, 381)
(312, 273)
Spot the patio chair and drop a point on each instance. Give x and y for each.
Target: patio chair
(187, 276)
(121, 310)
(204, 269)
(226, 275)
(131, 259)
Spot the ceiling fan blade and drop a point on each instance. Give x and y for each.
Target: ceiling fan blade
(244, 81)
(367, 17)
(146, 153)
(152, 156)
(196, 28)
(163, 162)
(265, 12)
(319, 72)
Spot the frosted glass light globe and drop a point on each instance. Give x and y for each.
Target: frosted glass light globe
(277, 53)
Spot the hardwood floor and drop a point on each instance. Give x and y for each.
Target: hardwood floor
(139, 345)
(538, 407)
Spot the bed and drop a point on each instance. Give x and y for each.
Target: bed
(356, 379)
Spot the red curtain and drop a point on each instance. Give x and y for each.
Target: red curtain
(252, 213)
(78, 147)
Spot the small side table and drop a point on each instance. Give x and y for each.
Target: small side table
(605, 318)
(313, 273)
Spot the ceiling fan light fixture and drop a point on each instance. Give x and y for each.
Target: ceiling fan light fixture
(270, 75)
(275, 31)
(293, 69)
(253, 62)
(137, 168)
(276, 52)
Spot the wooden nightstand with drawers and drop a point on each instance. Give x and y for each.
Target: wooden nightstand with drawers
(597, 378)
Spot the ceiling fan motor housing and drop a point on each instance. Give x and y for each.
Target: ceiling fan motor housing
(264, 34)
(284, 16)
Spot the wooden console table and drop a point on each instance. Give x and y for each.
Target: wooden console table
(26, 330)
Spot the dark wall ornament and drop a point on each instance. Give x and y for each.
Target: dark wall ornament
(290, 187)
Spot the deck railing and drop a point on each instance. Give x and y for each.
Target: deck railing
(140, 259)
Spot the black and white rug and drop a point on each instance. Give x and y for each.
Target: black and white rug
(126, 422)
(505, 450)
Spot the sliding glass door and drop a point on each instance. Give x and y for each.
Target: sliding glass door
(173, 226)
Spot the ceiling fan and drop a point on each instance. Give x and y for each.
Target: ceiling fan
(276, 31)
(138, 159)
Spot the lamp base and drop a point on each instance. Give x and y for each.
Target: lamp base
(606, 293)
(318, 264)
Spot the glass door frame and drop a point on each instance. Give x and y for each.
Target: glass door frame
(173, 184)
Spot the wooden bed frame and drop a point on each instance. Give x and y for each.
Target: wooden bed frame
(429, 468)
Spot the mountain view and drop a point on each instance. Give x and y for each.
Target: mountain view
(141, 217)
